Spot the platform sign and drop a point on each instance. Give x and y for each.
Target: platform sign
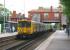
(0, 28)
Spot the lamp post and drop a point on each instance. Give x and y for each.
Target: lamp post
(24, 8)
(4, 17)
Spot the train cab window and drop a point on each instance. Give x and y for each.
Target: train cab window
(24, 24)
(28, 24)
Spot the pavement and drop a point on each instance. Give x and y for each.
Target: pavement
(57, 41)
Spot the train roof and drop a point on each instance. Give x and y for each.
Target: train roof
(32, 21)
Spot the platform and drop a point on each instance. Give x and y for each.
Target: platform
(57, 41)
(7, 34)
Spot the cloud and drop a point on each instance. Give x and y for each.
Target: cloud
(26, 5)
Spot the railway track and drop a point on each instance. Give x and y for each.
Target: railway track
(32, 45)
(9, 42)
(13, 44)
(6, 40)
(19, 46)
(25, 45)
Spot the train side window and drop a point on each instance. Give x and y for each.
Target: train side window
(24, 24)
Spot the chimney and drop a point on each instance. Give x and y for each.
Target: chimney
(14, 14)
(51, 13)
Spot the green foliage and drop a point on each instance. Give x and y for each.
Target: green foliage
(66, 8)
(3, 13)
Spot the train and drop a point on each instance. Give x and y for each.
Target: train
(30, 29)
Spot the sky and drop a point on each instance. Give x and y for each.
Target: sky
(24, 6)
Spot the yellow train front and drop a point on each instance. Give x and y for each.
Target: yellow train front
(30, 29)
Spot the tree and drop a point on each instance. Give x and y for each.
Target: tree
(66, 9)
(3, 13)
